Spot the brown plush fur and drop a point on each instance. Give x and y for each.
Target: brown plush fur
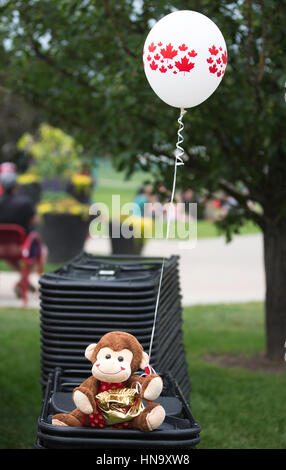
(117, 341)
(140, 421)
(76, 417)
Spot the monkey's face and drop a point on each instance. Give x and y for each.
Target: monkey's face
(112, 366)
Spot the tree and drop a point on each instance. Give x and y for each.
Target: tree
(81, 62)
(16, 117)
(55, 153)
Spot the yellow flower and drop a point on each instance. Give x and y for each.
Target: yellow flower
(64, 206)
(28, 178)
(142, 226)
(44, 207)
(76, 210)
(81, 180)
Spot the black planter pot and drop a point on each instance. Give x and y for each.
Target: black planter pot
(33, 190)
(125, 246)
(64, 235)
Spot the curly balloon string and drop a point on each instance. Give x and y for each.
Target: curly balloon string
(179, 161)
(180, 138)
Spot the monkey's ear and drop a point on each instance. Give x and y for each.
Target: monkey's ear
(89, 351)
(144, 361)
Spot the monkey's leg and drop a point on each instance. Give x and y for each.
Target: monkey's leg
(70, 419)
(150, 418)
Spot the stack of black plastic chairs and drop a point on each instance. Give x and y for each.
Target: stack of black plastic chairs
(91, 296)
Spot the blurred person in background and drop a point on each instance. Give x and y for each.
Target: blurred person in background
(15, 208)
(144, 196)
(18, 209)
(6, 167)
(190, 197)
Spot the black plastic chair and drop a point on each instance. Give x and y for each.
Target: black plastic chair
(179, 430)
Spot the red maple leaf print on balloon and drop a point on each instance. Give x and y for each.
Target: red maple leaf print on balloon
(163, 69)
(149, 57)
(159, 44)
(170, 66)
(192, 53)
(152, 47)
(153, 65)
(220, 61)
(183, 47)
(213, 68)
(213, 50)
(224, 57)
(169, 52)
(185, 65)
(156, 57)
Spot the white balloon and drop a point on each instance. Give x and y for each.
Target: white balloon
(184, 58)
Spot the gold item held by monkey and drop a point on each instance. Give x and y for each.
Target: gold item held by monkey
(119, 405)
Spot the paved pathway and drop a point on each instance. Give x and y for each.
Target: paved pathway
(7, 296)
(215, 272)
(211, 272)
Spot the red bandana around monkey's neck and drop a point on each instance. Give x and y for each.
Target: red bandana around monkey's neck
(104, 386)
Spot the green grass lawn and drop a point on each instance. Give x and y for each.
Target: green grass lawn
(110, 181)
(236, 408)
(19, 377)
(205, 228)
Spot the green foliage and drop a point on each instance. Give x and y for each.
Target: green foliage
(55, 153)
(54, 196)
(81, 63)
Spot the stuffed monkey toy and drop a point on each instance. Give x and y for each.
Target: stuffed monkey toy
(114, 360)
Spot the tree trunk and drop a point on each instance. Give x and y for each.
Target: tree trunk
(275, 271)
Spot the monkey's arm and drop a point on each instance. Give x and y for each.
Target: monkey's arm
(84, 395)
(151, 385)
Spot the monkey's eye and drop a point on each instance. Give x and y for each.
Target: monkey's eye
(108, 356)
(121, 358)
